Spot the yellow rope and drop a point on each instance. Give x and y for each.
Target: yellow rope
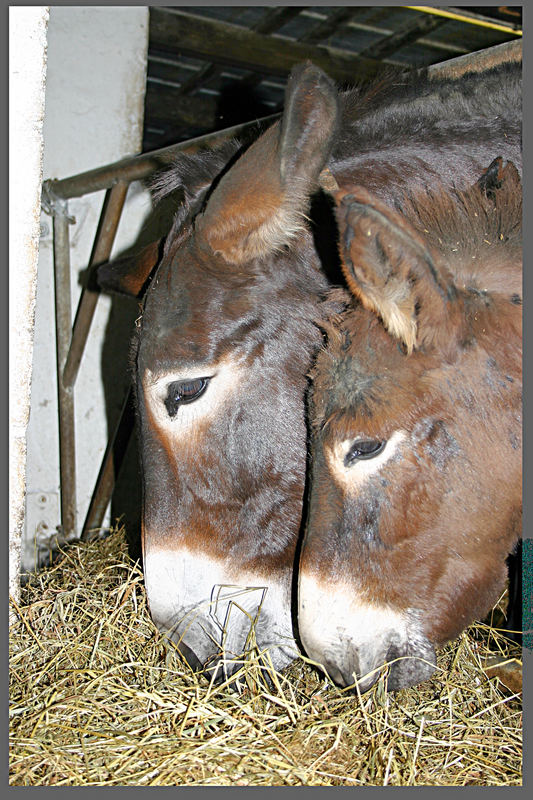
(440, 12)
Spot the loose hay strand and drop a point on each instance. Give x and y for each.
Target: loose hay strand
(99, 698)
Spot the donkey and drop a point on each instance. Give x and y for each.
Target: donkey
(221, 354)
(415, 497)
(227, 336)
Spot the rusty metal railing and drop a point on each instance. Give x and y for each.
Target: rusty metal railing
(71, 339)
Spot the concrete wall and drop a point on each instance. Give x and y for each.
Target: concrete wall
(94, 104)
(27, 40)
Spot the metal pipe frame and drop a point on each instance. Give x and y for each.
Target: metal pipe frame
(111, 463)
(67, 448)
(110, 218)
(71, 341)
(138, 168)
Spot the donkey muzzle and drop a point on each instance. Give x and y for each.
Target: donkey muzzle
(353, 640)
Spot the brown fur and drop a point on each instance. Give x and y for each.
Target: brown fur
(240, 277)
(450, 509)
(389, 258)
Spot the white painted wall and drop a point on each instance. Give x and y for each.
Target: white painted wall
(27, 71)
(94, 105)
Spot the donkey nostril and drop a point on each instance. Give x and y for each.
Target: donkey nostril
(392, 653)
(335, 673)
(410, 666)
(190, 656)
(342, 671)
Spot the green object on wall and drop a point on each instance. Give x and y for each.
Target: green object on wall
(527, 593)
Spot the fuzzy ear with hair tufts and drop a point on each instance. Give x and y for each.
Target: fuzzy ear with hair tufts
(389, 267)
(129, 275)
(259, 206)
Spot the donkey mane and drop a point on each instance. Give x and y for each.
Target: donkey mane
(468, 226)
(376, 115)
(190, 177)
(467, 229)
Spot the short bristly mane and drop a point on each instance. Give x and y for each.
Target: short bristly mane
(373, 120)
(190, 177)
(472, 234)
(467, 228)
(376, 115)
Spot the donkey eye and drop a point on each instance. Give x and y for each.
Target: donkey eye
(182, 392)
(362, 449)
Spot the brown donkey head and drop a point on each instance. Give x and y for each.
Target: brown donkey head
(415, 497)
(223, 348)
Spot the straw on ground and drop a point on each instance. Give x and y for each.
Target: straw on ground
(99, 698)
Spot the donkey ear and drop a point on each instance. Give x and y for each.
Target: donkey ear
(129, 275)
(491, 179)
(260, 203)
(498, 176)
(389, 268)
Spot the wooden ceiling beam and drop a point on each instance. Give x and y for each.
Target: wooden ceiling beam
(169, 108)
(274, 19)
(220, 42)
(388, 45)
(320, 30)
(331, 25)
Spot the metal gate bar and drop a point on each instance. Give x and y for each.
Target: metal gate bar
(70, 341)
(110, 468)
(67, 450)
(138, 168)
(110, 218)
